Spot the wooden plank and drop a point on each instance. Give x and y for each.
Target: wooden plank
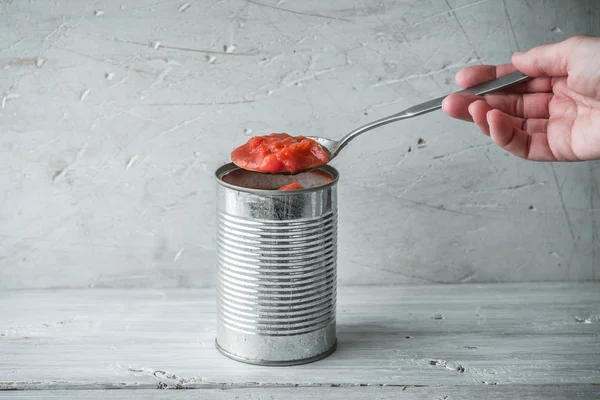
(504, 392)
(500, 334)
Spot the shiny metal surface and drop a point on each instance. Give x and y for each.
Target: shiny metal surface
(276, 278)
(333, 147)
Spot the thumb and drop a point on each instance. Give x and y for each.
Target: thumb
(548, 59)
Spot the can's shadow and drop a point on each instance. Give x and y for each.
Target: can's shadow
(359, 338)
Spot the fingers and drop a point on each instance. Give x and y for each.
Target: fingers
(547, 60)
(528, 105)
(457, 106)
(534, 125)
(525, 138)
(473, 75)
(479, 110)
(535, 85)
(530, 146)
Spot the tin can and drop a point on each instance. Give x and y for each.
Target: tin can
(276, 266)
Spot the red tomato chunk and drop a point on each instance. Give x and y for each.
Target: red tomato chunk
(291, 186)
(279, 152)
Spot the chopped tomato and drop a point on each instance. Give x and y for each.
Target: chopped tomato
(291, 186)
(279, 152)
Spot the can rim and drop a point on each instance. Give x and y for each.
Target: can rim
(230, 167)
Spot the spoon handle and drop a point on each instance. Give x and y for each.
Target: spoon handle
(496, 84)
(480, 89)
(435, 104)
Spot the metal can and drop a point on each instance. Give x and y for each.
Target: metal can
(276, 266)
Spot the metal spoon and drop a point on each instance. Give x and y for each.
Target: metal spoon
(333, 147)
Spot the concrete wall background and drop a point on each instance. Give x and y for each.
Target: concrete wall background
(113, 120)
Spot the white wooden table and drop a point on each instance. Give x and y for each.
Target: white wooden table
(414, 342)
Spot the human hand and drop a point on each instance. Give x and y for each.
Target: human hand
(553, 117)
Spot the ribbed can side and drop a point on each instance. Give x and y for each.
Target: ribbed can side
(276, 278)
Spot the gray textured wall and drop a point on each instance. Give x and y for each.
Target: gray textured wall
(113, 120)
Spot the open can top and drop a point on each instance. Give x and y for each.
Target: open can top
(236, 178)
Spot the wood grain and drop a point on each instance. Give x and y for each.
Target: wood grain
(504, 392)
(445, 335)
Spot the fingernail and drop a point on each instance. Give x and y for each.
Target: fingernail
(518, 53)
(471, 108)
